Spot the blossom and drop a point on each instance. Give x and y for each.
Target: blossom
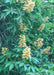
(16, 0)
(28, 6)
(26, 53)
(45, 19)
(46, 50)
(41, 28)
(22, 27)
(38, 43)
(40, 39)
(22, 42)
(4, 50)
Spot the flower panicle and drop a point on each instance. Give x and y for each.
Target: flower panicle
(16, 0)
(46, 50)
(38, 43)
(45, 19)
(28, 6)
(41, 28)
(22, 27)
(4, 50)
(22, 42)
(27, 53)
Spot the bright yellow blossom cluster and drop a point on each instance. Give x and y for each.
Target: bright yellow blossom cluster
(26, 53)
(22, 27)
(38, 43)
(45, 19)
(41, 28)
(16, 0)
(46, 50)
(28, 6)
(22, 42)
(4, 50)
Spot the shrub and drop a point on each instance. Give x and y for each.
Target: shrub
(26, 35)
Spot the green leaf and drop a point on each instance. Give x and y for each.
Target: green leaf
(36, 69)
(1, 68)
(33, 69)
(9, 27)
(11, 67)
(25, 67)
(2, 60)
(21, 64)
(7, 64)
(16, 65)
(17, 62)
(10, 1)
(14, 30)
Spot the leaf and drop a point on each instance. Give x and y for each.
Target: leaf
(1, 68)
(36, 69)
(9, 27)
(17, 18)
(7, 1)
(3, 15)
(28, 69)
(17, 55)
(16, 65)
(1, 57)
(11, 67)
(35, 60)
(21, 64)
(2, 60)
(10, 1)
(25, 67)
(32, 68)
(14, 30)
(7, 64)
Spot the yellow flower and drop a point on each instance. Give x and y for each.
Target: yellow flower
(46, 50)
(22, 27)
(28, 1)
(28, 6)
(38, 43)
(45, 19)
(22, 42)
(40, 39)
(4, 50)
(26, 53)
(16, 0)
(35, 43)
(41, 28)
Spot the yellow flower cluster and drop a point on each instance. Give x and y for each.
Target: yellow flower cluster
(45, 19)
(38, 43)
(22, 27)
(22, 42)
(4, 50)
(28, 6)
(26, 53)
(46, 50)
(16, 0)
(41, 28)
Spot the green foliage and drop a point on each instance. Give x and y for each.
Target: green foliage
(12, 14)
